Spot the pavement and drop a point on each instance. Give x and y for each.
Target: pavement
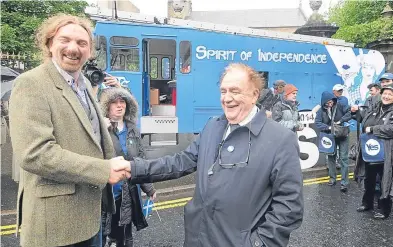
(330, 220)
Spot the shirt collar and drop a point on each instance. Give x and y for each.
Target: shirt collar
(69, 78)
(250, 116)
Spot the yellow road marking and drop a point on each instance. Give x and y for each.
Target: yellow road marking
(172, 201)
(7, 227)
(323, 178)
(183, 201)
(170, 206)
(8, 232)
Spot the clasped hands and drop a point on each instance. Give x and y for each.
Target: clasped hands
(120, 170)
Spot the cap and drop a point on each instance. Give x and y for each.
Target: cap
(338, 87)
(289, 88)
(387, 76)
(387, 87)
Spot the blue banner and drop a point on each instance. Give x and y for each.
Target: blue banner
(372, 148)
(326, 143)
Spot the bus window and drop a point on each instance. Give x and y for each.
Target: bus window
(185, 57)
(165, 68)
(125, 41)
(125, 59)
(101, 54)
(154, 67)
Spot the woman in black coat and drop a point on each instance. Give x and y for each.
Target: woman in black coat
(120, 109)
(378, 121)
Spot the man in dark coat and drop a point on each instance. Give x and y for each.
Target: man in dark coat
(249, 184)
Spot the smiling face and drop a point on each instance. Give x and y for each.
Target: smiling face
(238, 95)
(387, 97)
(71, 47)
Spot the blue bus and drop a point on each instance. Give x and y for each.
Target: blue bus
(173, 66)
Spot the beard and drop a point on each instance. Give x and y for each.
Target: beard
(71, 61)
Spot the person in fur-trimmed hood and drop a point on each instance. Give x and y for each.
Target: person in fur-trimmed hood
(121, 111)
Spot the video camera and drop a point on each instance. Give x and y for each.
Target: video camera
(93, 73)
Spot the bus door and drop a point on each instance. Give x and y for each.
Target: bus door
(159, 84)
(159, 56)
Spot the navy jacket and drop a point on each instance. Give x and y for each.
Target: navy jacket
(323, 121)
(261, 201)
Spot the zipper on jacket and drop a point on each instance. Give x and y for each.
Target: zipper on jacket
(122, 197)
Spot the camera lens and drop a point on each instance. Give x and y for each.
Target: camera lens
(95, 77)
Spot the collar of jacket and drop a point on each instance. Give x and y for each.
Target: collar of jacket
(256, 125)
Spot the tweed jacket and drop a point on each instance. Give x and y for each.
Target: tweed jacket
(63, 167)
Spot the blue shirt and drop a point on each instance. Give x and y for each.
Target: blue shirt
(343, 101)
(122, 135)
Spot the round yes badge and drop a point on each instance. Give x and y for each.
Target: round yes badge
(372, 147)
(326, 142)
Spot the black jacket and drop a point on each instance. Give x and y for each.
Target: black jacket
(130, 209)
(267, 99)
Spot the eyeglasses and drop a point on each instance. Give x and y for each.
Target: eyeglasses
(231, 165)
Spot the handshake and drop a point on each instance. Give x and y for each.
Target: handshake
(120, 170)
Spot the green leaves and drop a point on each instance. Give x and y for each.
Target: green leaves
(20, 20)
(361, 22)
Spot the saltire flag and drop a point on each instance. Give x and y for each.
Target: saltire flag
(148, 207)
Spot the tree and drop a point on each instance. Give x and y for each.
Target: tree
(20, 20)
(361, 22)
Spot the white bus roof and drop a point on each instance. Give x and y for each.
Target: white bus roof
(108, 15)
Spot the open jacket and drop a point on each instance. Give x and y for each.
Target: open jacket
(384, 132)
(130, 210)
(63, 166)
(259, 202)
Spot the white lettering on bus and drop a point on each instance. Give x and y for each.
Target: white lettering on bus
(203, 53)
(291, 57)
(308, 148)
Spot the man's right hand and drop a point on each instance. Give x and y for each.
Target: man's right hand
(354, 108)
(120, 170)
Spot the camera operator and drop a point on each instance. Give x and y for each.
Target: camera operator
(109, 81)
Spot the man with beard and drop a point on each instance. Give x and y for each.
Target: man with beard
(61, 143)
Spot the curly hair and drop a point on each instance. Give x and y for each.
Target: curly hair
(253, 76)
(50, 26)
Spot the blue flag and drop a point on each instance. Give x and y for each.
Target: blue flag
(148, 207)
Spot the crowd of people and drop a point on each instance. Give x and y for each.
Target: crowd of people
(334, 113)
(82, 161)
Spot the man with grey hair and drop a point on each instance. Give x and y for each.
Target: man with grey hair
(249, 185)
